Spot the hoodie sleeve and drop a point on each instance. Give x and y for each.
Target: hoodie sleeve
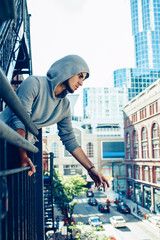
(66, 133)
(27, 92)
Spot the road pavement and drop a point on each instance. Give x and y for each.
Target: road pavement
(137, 228)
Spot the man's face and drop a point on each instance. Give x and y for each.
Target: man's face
(73, 83)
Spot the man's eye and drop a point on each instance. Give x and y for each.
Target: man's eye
(80, 75)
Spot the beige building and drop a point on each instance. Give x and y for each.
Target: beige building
(142, 147)
(111, 161)
(64, 161)
(112, 165)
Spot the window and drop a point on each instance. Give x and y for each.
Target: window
(130, 171)
(144, 151)
(128, 154)
(154, 131)
(157, 175)
(90, 150)
(137, 172)
(153, 108)
(135, 144)
(127, 122)
(143, 113)
(122, 170)
(134, 118)
(55, 149)
(155, 141)
(144, 135)
(144, 143)
(146, 174)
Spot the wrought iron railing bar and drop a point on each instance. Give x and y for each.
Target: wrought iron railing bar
(9, 96)
(28, 209)
(18, 205)
(28, 216)
(0, 227)
(25, 203)
(14, 138)
(14, 171)
(13, 221)
(3, 30)
(6, 219)
(34, 228)
(5, 154)
(32, 207)
(23, 200)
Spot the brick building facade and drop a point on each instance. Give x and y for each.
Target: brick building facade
(142, 147)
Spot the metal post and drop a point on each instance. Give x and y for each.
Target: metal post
(39, 191)
(51, 166)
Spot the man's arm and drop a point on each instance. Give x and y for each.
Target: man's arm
(97, 177)
(25, 160)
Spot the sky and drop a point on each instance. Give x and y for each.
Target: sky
(97, 30)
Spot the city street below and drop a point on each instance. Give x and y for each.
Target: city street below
(136, 229)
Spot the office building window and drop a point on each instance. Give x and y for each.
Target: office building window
(130, 171)
(143, 113)
(153, 108)
(127, 122)
(144, 143)
(146, 173)
(135, 144)
(128, 149)
(55, 149)
(137, 172)
(157, 175)
(155, 141)
(134, 118)
(90, 153)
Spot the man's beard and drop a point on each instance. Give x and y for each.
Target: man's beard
(68, 87)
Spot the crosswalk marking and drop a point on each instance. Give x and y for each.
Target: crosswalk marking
(85, 200)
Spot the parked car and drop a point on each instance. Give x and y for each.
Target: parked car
(90, 193)
(104, 208)
(155, 220)
(95, 222)
(92, 201)
(123, 208)
(118, 221)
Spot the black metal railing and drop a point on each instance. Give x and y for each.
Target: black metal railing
(11, 37)
(21, 196)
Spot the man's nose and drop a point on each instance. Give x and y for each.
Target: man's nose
(80, 82)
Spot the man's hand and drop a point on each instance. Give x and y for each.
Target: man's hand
(98, 178)
(27, 162)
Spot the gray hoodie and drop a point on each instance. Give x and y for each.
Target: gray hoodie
(38, 98)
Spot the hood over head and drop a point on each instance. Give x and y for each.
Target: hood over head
(65, 68)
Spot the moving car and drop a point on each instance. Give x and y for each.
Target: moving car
(95, 222)
(123, 208)
(118, 221)
(92, 201)
(104, 208)
(90, 193)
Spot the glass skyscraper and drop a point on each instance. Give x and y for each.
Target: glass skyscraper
(100, 115)
(145, 16)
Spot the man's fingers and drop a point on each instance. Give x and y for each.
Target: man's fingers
(31, 165)
(27, 162)
(30, 173)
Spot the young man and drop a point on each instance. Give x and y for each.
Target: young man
(44, 99)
